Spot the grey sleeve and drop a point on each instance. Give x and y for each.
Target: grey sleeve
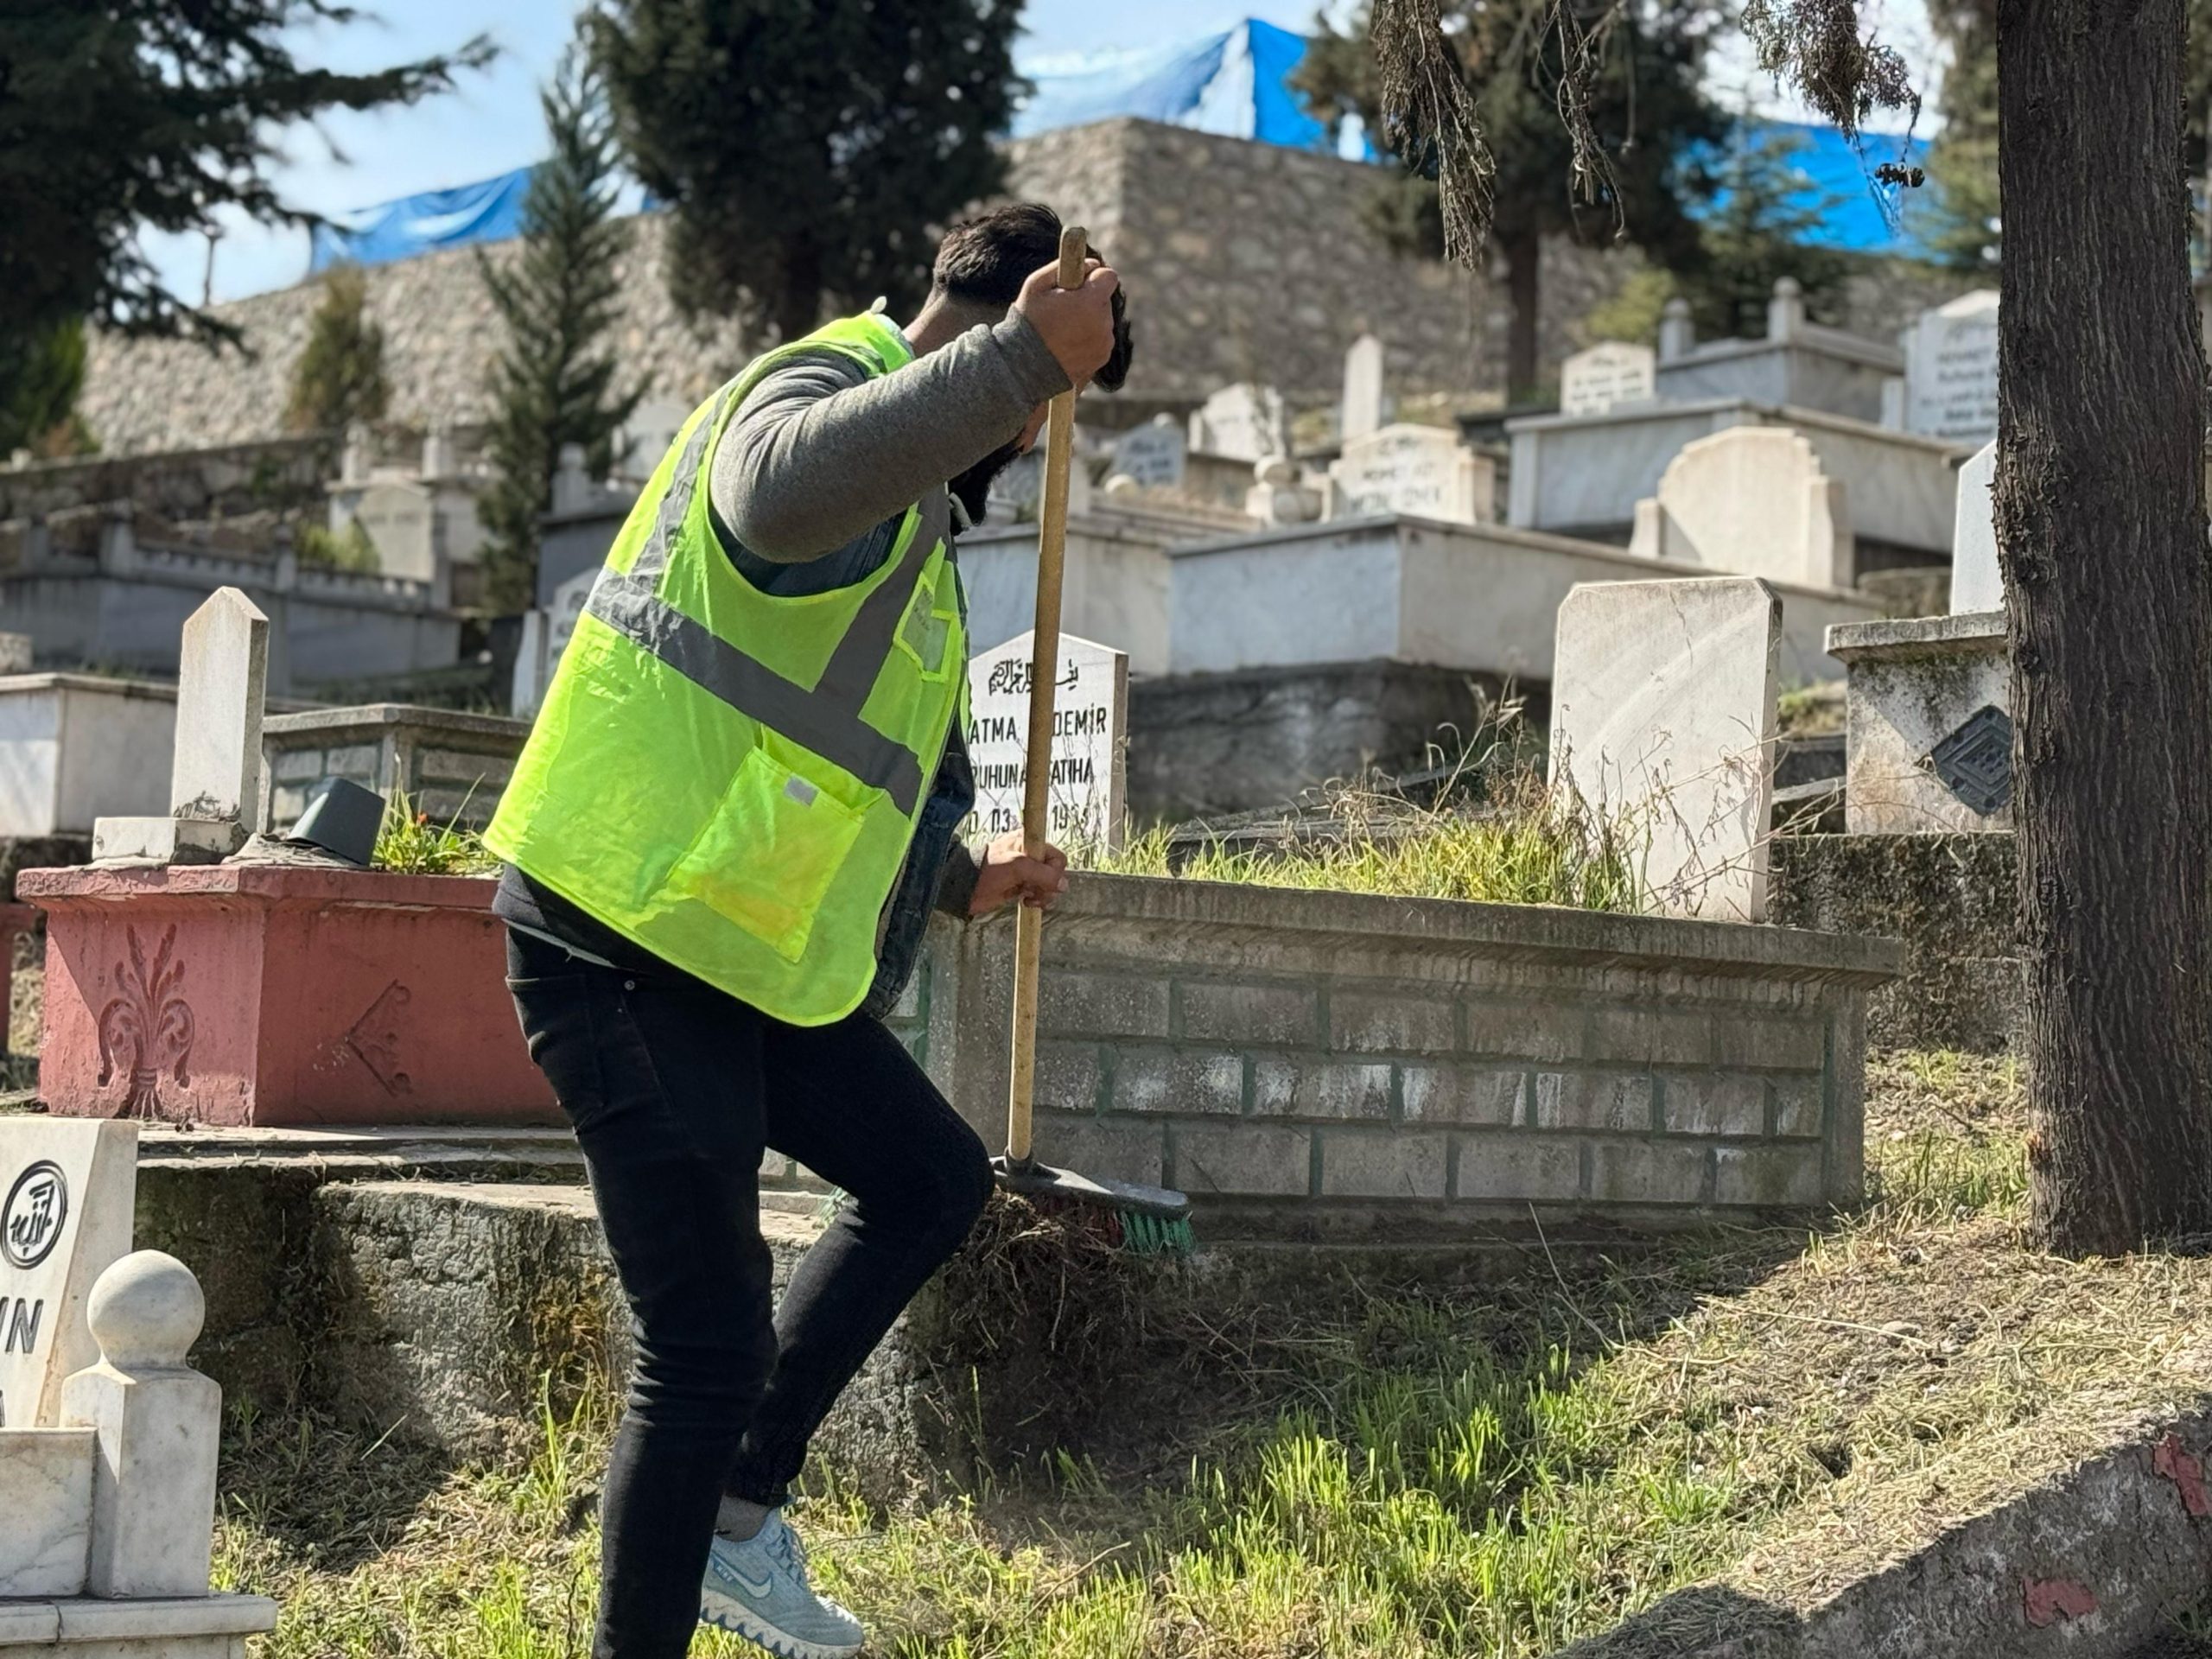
(821, 454)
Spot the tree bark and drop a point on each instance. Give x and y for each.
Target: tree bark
(1523, 253)
(797, 308)
(2101, 520)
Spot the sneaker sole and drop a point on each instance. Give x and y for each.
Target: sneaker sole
(739, 1622)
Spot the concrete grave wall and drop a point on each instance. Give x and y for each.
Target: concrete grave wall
(1583, 476)
(450, 765)
(1335, 1060)
(1481, 598)
(1913, 685)
(74, 747)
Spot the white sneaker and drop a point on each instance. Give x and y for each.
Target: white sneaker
(759, 1590)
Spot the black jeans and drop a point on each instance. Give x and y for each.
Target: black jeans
(675, 1089)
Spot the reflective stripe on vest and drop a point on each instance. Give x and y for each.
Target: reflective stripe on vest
(826, 718)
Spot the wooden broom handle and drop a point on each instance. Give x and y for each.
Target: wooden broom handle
(1043, 672)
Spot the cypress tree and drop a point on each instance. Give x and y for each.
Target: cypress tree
(551, 383)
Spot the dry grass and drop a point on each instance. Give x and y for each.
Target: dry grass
(1491, 1473)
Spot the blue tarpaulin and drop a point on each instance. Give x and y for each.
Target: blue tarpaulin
(487, 212)
(1234, 83)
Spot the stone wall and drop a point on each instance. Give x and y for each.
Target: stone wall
(1948, 899)
(1335, 1063)
(1243, 260)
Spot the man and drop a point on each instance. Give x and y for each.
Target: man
(723, 840)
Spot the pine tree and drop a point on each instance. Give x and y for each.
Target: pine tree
(40, 378)
(339, 379)
(810, 149)
(1636, 69)
(549, 385)
(1761, 230)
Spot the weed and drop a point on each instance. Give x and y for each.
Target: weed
(409, 843)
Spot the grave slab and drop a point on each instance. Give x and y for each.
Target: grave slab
(1362, 410)
(1977, 584)
(66, 1195)
(1663, 714)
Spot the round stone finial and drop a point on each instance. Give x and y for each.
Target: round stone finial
(145, 1312)
(1787, 288)
(1677, 307)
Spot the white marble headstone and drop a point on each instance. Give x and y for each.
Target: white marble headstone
(1091, 719)
(66, 1187)
(222, 676)
(1243, 422)
(1663, 719)
(1421, 470)
(1612, 372)
(1753, 501)
(1977, 584)
(1152, 453)
(1950, 369)
(1361, 412)
(400, 520)
(561, 617)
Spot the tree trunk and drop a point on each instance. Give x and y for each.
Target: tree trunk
(1523, 253)
(2101, 517)
(798, 302)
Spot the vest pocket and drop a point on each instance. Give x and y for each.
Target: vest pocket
(767, 857)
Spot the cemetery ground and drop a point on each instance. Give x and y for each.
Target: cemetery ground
(1410, 1465)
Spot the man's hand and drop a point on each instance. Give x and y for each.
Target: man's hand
(1076, 323)
(1008, 872)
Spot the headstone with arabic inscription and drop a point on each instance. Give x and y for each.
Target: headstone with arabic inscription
(1152, 453)
(67, 1187)
(1612, 372)
(1242, 422)
(1950, 369)
(1421, 470)
(1090, 716)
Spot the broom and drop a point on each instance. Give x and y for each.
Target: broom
(1149, 1220)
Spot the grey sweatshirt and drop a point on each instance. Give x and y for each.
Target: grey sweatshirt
(821, 456)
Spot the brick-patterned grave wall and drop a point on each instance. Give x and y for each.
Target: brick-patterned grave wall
(452, 766)
(1350, 1058)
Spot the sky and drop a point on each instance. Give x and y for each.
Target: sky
(490, 125)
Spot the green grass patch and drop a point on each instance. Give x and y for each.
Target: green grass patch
(1396, 1469)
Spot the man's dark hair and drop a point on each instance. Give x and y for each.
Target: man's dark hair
(984, 261)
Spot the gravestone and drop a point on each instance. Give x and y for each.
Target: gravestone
(15, 653)
(1361, 413)
(1663, 722)
(400, 521)
(67, 1188)
(1950, 369)
(1612, 372)
(1152, 453)
(1421, 470)
(1753, 501)
(1243, 422)
(215, 780)
(1977, 584)
(1090, 718)
(648, 434)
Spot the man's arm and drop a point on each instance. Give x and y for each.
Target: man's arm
(819, 455)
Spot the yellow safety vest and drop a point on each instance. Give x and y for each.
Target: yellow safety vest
(730, 778)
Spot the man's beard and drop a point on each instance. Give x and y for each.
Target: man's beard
(972, 489)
